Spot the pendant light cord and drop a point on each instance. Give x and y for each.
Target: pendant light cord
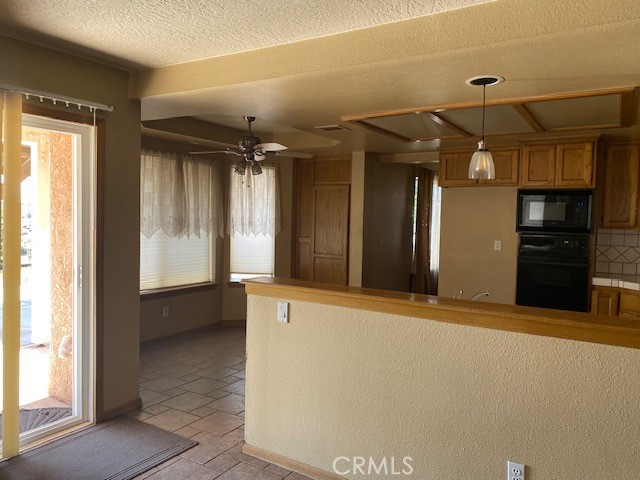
(484, 100)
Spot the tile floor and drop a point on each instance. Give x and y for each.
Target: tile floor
(193, 384)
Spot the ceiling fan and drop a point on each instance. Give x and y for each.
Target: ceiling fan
(252, 151)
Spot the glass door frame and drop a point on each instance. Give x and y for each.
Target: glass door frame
(84, 219)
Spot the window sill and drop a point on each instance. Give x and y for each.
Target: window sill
(236, 284)
(171, 291)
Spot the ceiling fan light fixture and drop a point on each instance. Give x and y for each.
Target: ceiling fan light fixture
(256, 169)
(241, 167)
(482, 165)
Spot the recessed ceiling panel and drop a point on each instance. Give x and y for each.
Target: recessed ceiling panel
(499, 119)
(577, 112)
(412, 126)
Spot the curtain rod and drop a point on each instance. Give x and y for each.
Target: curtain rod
(92, 106)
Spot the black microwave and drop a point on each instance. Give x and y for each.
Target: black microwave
(555, 211)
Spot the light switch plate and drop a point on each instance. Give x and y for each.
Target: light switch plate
(497, 245)
(283, 312)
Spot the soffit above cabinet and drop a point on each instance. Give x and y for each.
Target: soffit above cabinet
(589, 110)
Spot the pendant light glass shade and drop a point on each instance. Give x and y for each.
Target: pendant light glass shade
(482, 165)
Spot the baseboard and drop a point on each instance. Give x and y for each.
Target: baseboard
(289, 464)
(114, 412)
(234, 323)
(204, 328)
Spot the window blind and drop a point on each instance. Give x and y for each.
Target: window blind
(251, 256)
(175, 261)
(180, 217)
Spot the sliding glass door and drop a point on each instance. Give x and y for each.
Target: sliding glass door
(57, 204)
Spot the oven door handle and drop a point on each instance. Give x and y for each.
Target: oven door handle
(539, 261)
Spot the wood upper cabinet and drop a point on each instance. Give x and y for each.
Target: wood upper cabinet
(507, 163)
(538, 165)
(622, 173)
(574, 165)
(454, 168)
(563, 165)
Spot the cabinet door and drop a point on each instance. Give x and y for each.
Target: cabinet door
(629, 303)
(507, 167)
(538, 167)
(454, 169)
(622, 171)
(574, 165)
(605, 302)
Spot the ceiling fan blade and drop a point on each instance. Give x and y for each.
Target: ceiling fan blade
(289, 153)
(269, 147)
(232, 152)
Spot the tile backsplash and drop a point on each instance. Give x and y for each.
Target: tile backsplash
(618, 251)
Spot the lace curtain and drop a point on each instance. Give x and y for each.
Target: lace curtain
(179, 195)
(254, 203)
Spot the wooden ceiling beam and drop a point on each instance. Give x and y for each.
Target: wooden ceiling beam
(507, 101)
(447, 124)
(528, 117)
(381, 130)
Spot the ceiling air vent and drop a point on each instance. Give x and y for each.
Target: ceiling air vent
(331, 128)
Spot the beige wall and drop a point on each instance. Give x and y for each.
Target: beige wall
(32, 67)
(472, 219)
(187, 311)
(234, 300)
(388, 211)
(459, 400)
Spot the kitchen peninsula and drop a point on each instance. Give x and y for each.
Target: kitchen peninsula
(447, 382)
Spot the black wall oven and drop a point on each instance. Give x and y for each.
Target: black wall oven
(555, 211)
(553, 271)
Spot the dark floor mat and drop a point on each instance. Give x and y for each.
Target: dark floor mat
(116, 450)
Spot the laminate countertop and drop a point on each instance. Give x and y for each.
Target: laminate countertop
(585, 327)
(617, 280)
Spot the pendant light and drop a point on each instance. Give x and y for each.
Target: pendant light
(481, 165)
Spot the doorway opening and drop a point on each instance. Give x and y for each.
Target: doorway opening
(56, 277)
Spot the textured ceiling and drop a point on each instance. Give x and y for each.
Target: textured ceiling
(151, 33)
(540, 46)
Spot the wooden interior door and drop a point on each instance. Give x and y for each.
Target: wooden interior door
(621, 186)
(538, 165)
(574, 166)
(331, 233)
(323, 219)
(304, 260)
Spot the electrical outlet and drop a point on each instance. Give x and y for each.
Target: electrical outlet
(283, 312)
(165, 312)
(515, 471)
(497, 245)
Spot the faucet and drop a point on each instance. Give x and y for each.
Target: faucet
(480, 294)
(458, 295)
